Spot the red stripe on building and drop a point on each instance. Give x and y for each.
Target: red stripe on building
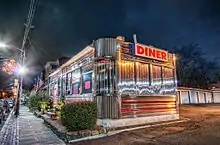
(139, 102)
(144, 109)
(74, 101)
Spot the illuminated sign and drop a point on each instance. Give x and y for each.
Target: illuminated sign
(150, 52)
(87, 85)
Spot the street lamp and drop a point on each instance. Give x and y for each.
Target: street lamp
(20, 72)
(3, 45)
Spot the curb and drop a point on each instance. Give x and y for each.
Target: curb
(147, 126)
(124, 130)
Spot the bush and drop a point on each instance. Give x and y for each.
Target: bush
(79, 116)
(59, 107)
(34, 102)
(43, 106)
(39, 101)
(49, 104)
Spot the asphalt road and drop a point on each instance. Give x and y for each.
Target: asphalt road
(203, 128)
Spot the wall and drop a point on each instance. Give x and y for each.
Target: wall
(198, 96)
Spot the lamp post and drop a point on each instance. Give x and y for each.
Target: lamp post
(20, 74)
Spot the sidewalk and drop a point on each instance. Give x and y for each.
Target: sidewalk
(33, 131)
(9, 134)
(27, 130)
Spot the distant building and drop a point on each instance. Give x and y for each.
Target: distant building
(50, 67)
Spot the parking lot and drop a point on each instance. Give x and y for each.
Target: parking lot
(203, 128)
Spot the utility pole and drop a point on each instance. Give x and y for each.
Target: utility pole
(28, 26)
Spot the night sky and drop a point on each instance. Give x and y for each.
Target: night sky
(64, 27)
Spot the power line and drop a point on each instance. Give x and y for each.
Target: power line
(28, 26)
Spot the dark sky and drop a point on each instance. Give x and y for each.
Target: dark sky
(63, 27)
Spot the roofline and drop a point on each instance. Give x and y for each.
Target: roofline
(74, 58)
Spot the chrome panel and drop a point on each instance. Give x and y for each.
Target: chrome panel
(148, 105)
(105, 47)
(108, 106)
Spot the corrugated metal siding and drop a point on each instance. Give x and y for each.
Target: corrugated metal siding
(147, 105)
(108, 107)
(105, 47)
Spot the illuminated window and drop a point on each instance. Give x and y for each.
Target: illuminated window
(156, 78)
(127, 71)
(168, 78)
(59, 86)
(64, 85)
(142, 73)
(76, 82)
(87, 82)
(105, 77)
(69, 87)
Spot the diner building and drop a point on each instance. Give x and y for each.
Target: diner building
(132, 83)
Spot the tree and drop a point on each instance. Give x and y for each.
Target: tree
(217, 75)
(192, 69)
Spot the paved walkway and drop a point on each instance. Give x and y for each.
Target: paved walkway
(33, 131)
(9, 134)
(27, 130)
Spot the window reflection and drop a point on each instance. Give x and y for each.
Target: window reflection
(156, 75)
(76, 82)
(142, 73)
(127, 71)
(87, 82)
(69, 88)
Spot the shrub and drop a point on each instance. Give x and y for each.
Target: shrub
(49, 104)
(43, 106)
(34, 102)
(79, 116)
(59, 107)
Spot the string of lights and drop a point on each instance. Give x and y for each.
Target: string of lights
(10, 66)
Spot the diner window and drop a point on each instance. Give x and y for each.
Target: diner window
(87, 82)
(76, 82)
(59, 86)
(105, 77)
(156, 79)
(127, 71)
(142, 73)
(64, 85)
(168, 78)
(69, 88)
(50, 89)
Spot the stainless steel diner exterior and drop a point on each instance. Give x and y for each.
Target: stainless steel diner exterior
(132, 83)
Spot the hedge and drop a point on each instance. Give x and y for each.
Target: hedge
(39, 101)
(34, 102)
(79, 116)
(61, 103)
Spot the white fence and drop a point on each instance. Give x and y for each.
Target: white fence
(198, 96)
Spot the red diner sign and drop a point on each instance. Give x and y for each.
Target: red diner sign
(150, 52)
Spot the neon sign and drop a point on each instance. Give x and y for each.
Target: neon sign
(150, 52)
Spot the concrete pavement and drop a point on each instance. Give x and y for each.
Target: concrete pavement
(27, 129)
(9, 134)
(33, 131)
